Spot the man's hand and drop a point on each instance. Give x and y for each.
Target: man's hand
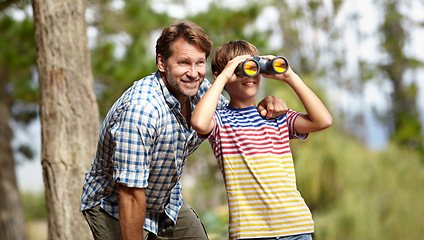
(272, 107)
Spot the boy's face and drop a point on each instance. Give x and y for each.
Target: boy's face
(244, 88)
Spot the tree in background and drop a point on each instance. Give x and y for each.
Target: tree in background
(68, 111)
(18, 97)
(406, 128)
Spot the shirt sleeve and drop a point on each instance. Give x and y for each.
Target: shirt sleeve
(217, 121)
(291, 119)
(133, 134)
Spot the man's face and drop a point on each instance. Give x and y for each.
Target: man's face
(184, 71)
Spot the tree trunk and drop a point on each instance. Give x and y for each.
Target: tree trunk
(12, 224)
(68, 111)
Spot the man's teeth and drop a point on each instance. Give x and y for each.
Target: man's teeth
(189, 81)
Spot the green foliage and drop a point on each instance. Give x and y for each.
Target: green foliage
(223, 24)
(216, 223)
(18, 89)
(135, 23)
(34, 206)
(373, 195)
(17, 59)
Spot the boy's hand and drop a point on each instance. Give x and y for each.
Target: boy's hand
(228, 72)
(278, 76)
(272, 107)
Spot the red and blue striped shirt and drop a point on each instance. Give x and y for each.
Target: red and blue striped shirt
(256, 162)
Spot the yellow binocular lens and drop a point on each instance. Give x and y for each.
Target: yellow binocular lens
(251, 68)
(248, 68)
(280, 65)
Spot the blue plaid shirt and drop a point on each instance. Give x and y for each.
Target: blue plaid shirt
(144, 143)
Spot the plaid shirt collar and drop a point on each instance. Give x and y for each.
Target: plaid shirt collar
(169, 98)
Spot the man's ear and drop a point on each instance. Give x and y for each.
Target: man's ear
(160, 63)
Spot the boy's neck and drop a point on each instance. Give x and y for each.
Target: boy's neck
(241, 104)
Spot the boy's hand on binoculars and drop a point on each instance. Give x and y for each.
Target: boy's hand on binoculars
(280, 77)
(269, 57)
(231, 66)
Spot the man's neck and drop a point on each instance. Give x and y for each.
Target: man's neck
(186, 111)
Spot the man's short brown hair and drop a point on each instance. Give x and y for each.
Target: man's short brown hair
(187, 30)
(230, 50)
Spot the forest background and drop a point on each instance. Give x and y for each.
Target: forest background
(362, 178)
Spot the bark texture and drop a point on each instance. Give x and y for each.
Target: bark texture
(68, 111)
(12, 224)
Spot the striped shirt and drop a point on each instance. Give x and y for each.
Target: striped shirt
(144, 142)
(255, 160)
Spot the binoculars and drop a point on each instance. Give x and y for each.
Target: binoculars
(252, 67)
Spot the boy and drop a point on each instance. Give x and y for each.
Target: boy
(253, 153)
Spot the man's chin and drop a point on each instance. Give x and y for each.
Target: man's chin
(192, 88)
(191, 92)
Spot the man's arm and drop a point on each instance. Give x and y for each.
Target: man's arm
(272, 107)
(132, 211)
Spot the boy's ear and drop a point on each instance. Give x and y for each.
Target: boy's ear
(215, 74)
(160, 63)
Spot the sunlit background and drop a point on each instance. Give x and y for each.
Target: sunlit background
(362, 178)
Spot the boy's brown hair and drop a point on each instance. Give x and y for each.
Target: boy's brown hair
(224, 53)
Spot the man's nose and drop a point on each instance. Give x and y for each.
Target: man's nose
(193, 72)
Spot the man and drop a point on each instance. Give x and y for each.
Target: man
(144, 142)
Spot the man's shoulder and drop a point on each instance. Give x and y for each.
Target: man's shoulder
(144, 95)
(145, 92)
(147, 86)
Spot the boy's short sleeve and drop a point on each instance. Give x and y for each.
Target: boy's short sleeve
(212, 135)
(291, 119)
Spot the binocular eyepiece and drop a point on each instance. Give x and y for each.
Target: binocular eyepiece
(252, 67)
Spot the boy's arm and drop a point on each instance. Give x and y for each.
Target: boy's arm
(317, 117)
(202, 118)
